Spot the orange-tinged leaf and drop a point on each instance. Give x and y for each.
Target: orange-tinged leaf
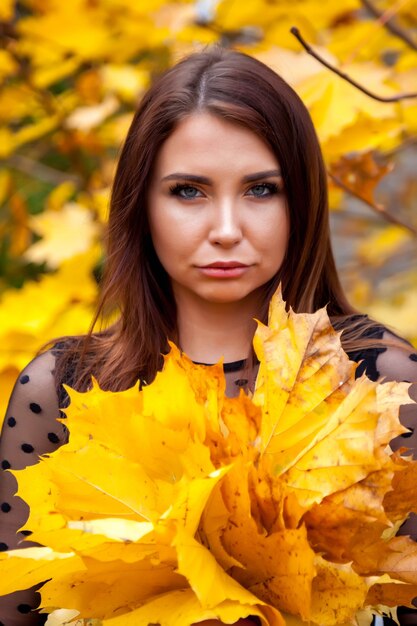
(283, 582)
(391, 594)
(402, 498)
(338, 592)
(335, 524)
(361, 173)
(398, 559)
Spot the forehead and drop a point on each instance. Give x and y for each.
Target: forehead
(205, 141)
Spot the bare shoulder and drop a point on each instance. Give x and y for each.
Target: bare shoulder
(397, 362)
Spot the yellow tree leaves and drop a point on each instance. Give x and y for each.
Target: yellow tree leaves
(64, 234)
(177, 504)
(60, 303)
(346, 119)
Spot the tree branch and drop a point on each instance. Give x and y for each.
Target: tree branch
(41, 171)
(377, 208)
(345, 77)
(386, 19)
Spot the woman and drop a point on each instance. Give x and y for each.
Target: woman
(219, 196)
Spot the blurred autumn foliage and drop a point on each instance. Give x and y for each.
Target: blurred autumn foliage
(71, 75)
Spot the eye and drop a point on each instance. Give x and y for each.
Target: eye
(187, 192)
(263, 190)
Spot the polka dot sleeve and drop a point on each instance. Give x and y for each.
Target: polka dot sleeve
(30, 429)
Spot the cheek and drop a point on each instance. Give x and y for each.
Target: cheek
(162, 244)
(175, 233)
(274, 238)
(173, 243)
(159, 235)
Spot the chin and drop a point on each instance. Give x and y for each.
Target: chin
(227, 295)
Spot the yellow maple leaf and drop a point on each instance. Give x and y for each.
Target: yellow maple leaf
(303, 372)
(335, 104)
(182, 607)
(65, 234)
(37, 563)
(345, 118)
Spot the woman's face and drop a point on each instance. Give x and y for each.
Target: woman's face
(217, 211)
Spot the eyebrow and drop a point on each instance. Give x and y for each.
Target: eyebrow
(203, 180)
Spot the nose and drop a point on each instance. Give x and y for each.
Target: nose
(226, 224)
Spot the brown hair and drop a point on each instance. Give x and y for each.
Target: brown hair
(241, 89)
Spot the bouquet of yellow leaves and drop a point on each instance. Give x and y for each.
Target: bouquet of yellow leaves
(175, 504)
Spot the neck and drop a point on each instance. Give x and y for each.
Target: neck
(210, 331)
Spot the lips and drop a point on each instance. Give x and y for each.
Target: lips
(224, 265)
(224, 269)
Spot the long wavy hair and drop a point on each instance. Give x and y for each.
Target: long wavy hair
(244, 91)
